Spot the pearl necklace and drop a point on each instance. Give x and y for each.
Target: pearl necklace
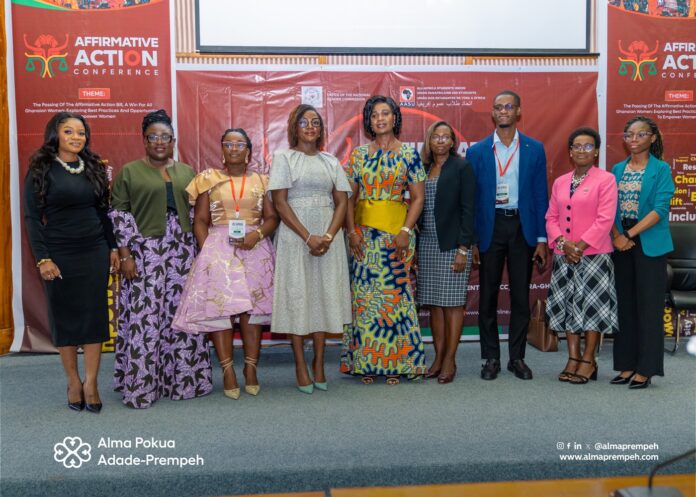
(71, 170)
(575, 181)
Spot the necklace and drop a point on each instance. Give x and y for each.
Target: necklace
(575, 182)
(72, 170)
(635, 167)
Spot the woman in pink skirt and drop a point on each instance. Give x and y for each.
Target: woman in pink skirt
(232, 276)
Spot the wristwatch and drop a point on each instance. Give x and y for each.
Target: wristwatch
(463, 251)
(406, 229)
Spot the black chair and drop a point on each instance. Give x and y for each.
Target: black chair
(681, 274)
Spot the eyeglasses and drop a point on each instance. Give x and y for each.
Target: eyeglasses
(641, 135)
(507, 107)
(440, 138)
(582, 147)
(234, 145)
(159, 138)
(304, 123)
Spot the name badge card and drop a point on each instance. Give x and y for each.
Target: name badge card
(237, 230)
(502, 194)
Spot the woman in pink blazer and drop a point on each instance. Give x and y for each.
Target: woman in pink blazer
(582, 297)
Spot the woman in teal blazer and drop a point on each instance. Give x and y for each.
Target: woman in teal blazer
(642, 241)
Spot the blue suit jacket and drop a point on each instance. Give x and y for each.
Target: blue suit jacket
(656, 191)
(533, 189)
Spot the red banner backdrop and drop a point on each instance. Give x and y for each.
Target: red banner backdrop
(651, 71)
(553, 104)
(111, 65)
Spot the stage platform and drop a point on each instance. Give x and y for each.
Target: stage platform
(351, 436)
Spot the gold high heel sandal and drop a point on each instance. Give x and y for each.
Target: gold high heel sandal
(233, 393)
(251, 389)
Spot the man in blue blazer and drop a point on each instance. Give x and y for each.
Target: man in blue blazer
(511, 202)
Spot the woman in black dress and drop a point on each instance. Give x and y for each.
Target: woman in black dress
(65, 211)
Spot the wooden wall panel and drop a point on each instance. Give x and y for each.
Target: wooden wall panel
(6, 322)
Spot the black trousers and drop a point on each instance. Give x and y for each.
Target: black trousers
(641, 283)
(509, 245)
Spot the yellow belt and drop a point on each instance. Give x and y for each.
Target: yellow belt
(384, 215)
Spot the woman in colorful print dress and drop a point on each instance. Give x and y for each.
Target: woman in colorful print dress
(232, 276)
(384, 337)
(152, 224)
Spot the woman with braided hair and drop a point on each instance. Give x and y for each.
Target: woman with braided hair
(642, 241)
(152, 224)
(65, 210)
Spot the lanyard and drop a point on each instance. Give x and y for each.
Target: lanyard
(500, 166)
(241, 194)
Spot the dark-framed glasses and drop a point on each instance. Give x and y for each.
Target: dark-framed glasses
(507, 107)
(641, 135)
(582, 147)
(440, 138)
(304, 123)
(159, 138)
(234, 145)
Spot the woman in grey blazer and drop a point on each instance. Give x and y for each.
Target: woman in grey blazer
(446, 235)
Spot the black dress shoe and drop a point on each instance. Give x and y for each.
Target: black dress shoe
(520, 369)
(95, 408)
(635, 385)
(490, 370)
(76, 406)
(620, 380)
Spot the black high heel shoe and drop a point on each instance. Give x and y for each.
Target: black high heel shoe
(76, 406)
(566, 375)
(578, 379)
(635, 385)
(93, 408)
(621, 380)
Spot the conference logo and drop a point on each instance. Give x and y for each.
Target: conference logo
(45, 55)
(407, 96)
(636, 59)
(72, 452)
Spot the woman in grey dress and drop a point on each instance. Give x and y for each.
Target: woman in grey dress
(311, 290)
(447, 232)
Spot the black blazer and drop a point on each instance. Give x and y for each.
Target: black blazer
(454, 204)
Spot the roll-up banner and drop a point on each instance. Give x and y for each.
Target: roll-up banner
(105, 60)
(651, 71)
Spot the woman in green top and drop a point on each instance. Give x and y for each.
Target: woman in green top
(152, 224)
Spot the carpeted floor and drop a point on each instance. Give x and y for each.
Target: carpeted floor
(352, 435)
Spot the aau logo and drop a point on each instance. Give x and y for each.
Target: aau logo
(72, 452)
(46, 52)
(637, 58)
